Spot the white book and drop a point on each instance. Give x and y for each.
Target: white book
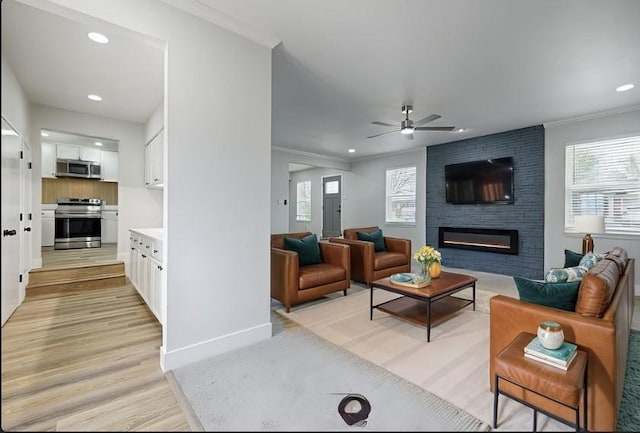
(552, 363)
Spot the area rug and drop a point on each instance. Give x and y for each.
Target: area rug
(295, 382)
(629, 414)
(454, 365)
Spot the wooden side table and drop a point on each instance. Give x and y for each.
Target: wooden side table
(564, 387)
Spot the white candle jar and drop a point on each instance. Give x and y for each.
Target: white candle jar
(550, 335)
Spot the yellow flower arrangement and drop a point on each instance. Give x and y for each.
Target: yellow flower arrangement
(427, 255)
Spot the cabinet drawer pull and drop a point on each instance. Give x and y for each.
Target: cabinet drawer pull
(159, 268)
(155, 251)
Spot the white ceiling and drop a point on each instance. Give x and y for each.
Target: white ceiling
(488, 66)
(59, 66)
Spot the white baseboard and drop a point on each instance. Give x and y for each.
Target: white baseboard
(216, 346)
(637, 289)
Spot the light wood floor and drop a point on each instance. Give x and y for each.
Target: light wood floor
(79, 256)
(87, 360)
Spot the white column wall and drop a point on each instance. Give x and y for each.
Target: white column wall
(217, 178)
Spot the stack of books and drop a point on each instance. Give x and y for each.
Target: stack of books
(559, 358)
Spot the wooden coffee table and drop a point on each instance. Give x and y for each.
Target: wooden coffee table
(428, 305)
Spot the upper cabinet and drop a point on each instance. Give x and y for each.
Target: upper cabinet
(67, 151)
(48, 160)
(153, 161)
(109, 166)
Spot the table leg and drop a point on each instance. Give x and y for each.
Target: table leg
(474, 296)
(371, 303)
(428, 320)
(584, 396)
(496, 392)
(535, 420)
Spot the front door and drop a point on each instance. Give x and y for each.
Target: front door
(331, 206)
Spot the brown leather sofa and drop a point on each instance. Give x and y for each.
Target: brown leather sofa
(292, 284)
(599, 325)
(367, 265)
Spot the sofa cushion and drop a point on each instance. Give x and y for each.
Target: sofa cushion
(597, 287)
(571, 258)
(556, 295)
(320, 274)
(565, 275)
(307, 249)
(375, 237)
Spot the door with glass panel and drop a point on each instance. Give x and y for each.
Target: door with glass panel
(331, 206)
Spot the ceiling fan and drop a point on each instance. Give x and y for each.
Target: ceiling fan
(408, 126)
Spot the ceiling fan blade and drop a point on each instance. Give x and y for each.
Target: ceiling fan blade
(378, 135)
(435, 128)
(383, 124)
(428, 119)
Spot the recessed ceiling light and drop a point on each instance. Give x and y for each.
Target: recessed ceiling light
(459, 130)
(352, 151)
(95, 97)
(97, 143)
(98, 37)
(624, 87)
(44, 134)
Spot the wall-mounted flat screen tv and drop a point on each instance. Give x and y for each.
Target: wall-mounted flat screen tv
(480, 182)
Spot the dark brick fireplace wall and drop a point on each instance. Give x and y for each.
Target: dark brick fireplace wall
(526, 214)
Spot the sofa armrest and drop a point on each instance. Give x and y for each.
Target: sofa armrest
(284, 275)
(398, 245)
(362, 256)
(335, 254)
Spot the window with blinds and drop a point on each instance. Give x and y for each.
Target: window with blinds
(303, 201)
(603, 178)
(401, 195)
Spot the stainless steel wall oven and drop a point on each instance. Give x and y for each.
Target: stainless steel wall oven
(78, 223)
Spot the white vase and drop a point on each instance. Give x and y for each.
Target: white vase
(550, 334)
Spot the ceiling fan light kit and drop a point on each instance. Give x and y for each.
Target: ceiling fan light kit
(408, 127)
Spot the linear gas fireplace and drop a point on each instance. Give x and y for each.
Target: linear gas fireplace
(489, 240)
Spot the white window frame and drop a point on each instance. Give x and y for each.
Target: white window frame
(303, 204)
(401, 215)
(609, 186)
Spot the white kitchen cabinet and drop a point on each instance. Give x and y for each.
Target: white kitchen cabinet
(153, 161)
(48, 160)
(48, 227)
(146, 270)
(109, 166)
(109, 227)
(68, 151)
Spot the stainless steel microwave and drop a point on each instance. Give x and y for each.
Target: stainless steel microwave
(77, 168)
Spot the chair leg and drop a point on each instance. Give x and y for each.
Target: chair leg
(345, 292)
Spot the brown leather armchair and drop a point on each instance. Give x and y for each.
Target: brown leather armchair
(292, 284)
(367, 265)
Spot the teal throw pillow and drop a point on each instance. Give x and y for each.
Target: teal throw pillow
(556, 295)
(307, 248)
(375, 237)
(566, 275)
(571, 258)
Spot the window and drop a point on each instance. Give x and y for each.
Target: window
(401, 195)
(603, 178)
(303, 201)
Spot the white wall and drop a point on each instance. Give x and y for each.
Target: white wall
(15, 109)
(155, 123)
(137, 205)
(217, 178)
(557, 136)
(363, 196)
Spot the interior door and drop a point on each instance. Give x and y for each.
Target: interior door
(331, 206)
(26, 233)
(10, 159)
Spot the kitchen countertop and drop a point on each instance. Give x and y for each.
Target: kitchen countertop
(155, 233)
(48, 206)
(110, 207)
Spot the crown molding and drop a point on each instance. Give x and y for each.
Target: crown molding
(310, 154)
(599, 115)
(202, 9)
